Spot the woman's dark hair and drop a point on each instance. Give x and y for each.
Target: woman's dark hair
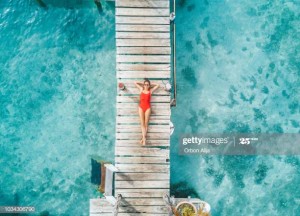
(148, 81)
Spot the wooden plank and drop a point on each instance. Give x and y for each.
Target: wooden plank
(142, 20)
(136, 120)
(102, 214)
(149, 143)
(143, 201)
(143, 167)
(142, 184)
(141, 160)
(108, 182)
(154, 111)
(137, 142)
(143, 42)
(100, 206)
(142, 12)
(141, 176)
(142, 35)
(143, 67)
(142, 3)
(137, 128)
(142, 192)
(99, 202)
(137, 136)
(111, 199)
(151, 129)
(142, 74)
(144, 50)
(144, 58)
(143, 151)
(143, 209)
(154, 98)
(142, 28)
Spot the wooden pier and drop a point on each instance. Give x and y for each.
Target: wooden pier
(143, 50)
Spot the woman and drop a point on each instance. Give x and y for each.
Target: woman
(144, 107)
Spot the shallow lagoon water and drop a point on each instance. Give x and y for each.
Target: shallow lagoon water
(237, 69)
(57, 80)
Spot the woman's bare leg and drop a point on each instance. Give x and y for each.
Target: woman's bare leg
(142, 119)
(147, 117)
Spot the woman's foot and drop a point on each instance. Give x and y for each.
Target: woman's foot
(144, 141)
(141, 141)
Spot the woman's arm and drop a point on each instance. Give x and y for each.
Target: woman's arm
(156, 86)
(137, 84)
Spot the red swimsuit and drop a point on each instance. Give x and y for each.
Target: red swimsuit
(145, 101)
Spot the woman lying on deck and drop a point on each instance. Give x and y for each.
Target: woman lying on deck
(146, 89)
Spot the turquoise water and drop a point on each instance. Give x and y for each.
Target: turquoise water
(238, 71)
(57, 80)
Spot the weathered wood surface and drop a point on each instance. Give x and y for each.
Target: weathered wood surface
(143, 50)
(100, 206)
(149, 193)
(141, 151)
(155, 209)
(137, 128)
(139, 35)
(143, 3)
(142, 20)
(142, 28)
(135, 143)
(143, 67)
(141, 177)
(142, 11)
(141, 160)
(142, 42)
(142, 184)
(144, 58)
(139, 201)
(142, 74)
(143, 167)
(136, 136)
(154, 120)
